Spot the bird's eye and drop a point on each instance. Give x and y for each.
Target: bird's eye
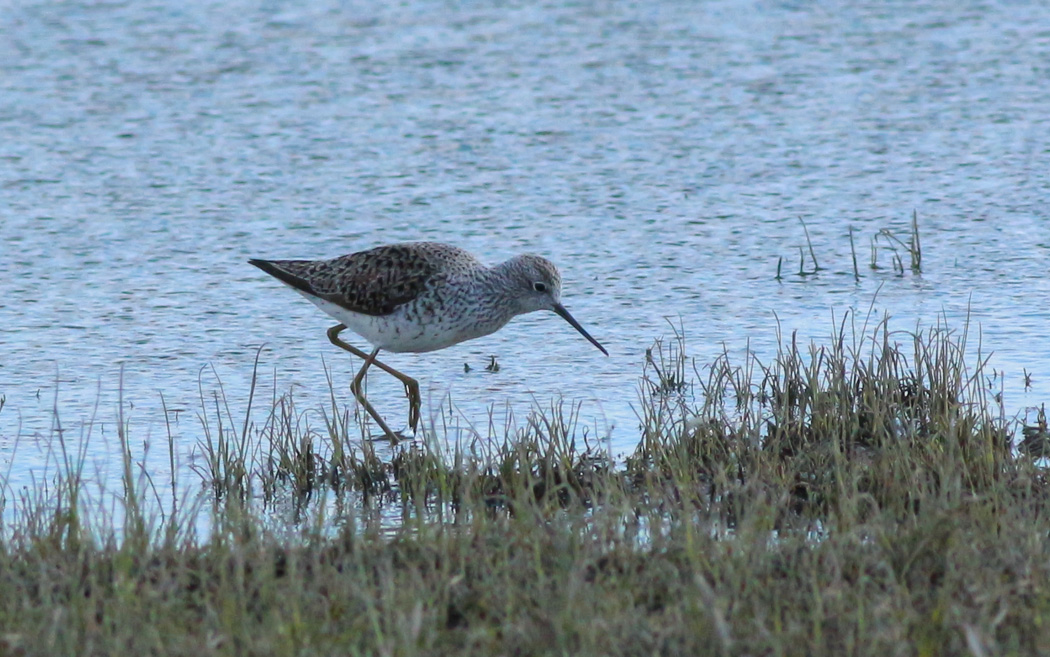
(539, 286)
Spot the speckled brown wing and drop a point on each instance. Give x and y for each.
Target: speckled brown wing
(373, 282)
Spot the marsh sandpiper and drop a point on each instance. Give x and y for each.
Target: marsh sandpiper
(418, 297)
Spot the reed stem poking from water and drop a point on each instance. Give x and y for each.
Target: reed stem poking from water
(853, 254)
(809, 243)
(914, 244)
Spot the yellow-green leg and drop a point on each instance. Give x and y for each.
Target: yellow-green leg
(411, 385)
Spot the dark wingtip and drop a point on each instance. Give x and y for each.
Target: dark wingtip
(269, 267)
(274, 269)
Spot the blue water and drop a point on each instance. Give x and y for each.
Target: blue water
(661, 153)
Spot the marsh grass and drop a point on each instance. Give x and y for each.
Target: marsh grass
(891, 241)
(857, 497)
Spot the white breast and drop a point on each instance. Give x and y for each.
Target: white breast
(401, 331)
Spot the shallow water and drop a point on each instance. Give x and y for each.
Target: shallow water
(661, 153)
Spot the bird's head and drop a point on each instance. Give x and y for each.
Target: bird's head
(537, 286)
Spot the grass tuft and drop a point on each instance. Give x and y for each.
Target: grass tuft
(856, 497)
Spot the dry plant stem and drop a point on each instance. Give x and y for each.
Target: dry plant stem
(411, 385)
(809, 242)
(915, 248)
(853, 252)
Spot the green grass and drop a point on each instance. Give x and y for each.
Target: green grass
(860, 497)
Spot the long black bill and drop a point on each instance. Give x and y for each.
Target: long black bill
(560, 309)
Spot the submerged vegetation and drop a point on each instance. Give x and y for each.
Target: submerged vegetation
(862, 497)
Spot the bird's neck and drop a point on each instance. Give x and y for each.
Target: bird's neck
(499, 283)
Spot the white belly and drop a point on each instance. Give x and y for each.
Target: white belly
(399, 332)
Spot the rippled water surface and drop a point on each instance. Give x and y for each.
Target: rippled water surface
(661, 153)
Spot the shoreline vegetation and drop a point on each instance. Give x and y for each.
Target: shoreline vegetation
(861, 497)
